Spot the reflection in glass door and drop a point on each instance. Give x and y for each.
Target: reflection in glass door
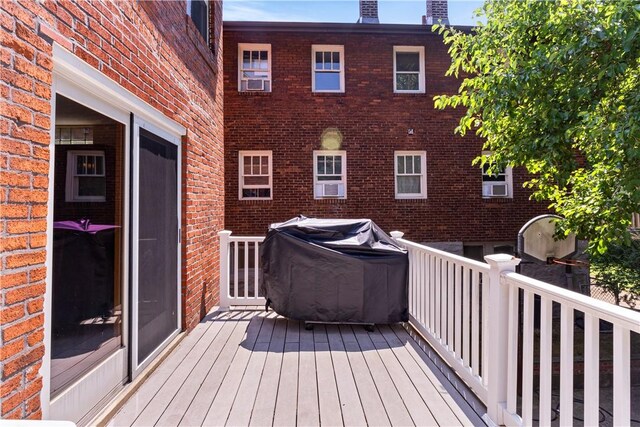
(156, 293)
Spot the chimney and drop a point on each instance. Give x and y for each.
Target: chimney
(437, 10)
(368, 12)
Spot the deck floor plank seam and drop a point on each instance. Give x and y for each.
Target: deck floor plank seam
(130, 412)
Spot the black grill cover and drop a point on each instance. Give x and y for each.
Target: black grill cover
(334, 270)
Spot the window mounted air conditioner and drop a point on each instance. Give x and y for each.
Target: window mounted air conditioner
(495, 189)
(329, 190)
(255, 84)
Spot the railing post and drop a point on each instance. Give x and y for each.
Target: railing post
(396, 235)
(224, 269)
(497, 341)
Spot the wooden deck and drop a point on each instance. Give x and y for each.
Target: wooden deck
(252, 368)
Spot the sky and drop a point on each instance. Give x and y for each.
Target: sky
(389, 11)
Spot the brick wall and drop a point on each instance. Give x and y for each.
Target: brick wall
(374, 123)
(149, 48)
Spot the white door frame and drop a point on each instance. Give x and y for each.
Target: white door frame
(75, 79)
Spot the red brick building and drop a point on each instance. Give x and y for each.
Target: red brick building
(111, 112)
(337, 120)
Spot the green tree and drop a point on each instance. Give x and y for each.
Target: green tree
(554, 86)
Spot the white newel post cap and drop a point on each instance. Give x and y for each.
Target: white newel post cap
(397, 234)
(502, 261)
(224, 233)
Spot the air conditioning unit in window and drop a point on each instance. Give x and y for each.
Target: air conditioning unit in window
(495, 189)
(329, 190)
(255, 84)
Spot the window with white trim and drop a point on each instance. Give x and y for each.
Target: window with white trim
(411, 174)
(198, 10)
(256, 175)
(496, 185)
(86, 178)
(254, 67)
(330, 174)
(408, 69)
(327, 69)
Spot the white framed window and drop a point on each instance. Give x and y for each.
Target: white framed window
(86, 178)
(255, 175)
(330, 174)
(198, 10)
(408, 69)
(327, 68)
(411, 174)
(74, 135)
(497, 185)
(254, 67)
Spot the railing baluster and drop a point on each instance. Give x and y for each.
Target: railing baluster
(485, 327)
(422, 280)
(475, 322)
(432, 294)
(566, 366)
(527, 360)
(458, 311)
(466, 337)
(546, 324)
(591, 369)
(256, 270)
(236, 293)
(512, 356)
(621, 376)
(438, 298)
(246, 269)
(450, 279)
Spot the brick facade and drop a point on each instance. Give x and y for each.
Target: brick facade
(374, 122)
(153, 50)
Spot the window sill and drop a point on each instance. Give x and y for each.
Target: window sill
(497, 200)
(406, 201)
(328, 94)
(253, 93)
(409, 94)
(331, 201)
(255, 201)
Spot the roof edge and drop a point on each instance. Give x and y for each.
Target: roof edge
(331, 27)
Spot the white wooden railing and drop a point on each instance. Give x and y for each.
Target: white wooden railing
(470, 313)
(239, 270)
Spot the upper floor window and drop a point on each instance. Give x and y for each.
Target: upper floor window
(328, 68)
(255, 179)
(254, 67)
(86, 179)
(408, 69)
(411, 174)
(199, 12)
(330, 174)
(498, 184)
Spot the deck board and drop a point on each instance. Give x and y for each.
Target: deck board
(252, 368)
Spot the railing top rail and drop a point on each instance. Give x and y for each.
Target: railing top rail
(611, 313)
(477, 265)
(258, 239)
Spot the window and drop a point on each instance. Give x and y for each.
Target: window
(255, 175)
(498, 185)
(254, 67)
(408, 69)
(86, 181)
(328, 68)
(199, 12)
(411, 174)
(74, 135)
(330, 174)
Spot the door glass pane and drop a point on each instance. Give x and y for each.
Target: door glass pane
(87, 259)
(157, 243)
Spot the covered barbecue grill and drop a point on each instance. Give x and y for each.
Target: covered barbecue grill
(334, 270)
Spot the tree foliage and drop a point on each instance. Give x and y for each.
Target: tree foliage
(554, 86)
(618, 270)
